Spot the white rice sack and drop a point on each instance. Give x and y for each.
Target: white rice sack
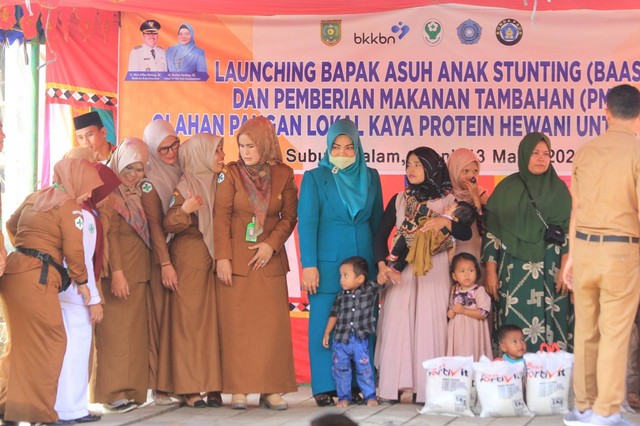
(448, 388)
(476, 408)
(499, 386)
(548, 382)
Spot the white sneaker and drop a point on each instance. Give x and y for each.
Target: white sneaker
(616, 419)
(577, 418)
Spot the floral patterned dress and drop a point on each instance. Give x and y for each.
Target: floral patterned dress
(527, 295)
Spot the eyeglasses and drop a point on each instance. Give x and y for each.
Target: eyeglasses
(173, 147)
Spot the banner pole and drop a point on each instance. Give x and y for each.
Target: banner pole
(33, 140)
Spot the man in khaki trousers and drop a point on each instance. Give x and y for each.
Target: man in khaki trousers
(604, 260)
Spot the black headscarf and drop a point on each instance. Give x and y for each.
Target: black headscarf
(436, 183)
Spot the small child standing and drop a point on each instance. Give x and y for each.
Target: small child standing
(352, 317)
(512, 343)
(468, 328)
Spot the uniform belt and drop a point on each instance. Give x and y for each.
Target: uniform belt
(606, 238)
(47, 260)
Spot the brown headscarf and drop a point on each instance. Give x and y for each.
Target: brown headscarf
(83, 152)
(458, 160)
(256, 179)
(196, 160)
(129, 203)
(163, 176)
(72, 177)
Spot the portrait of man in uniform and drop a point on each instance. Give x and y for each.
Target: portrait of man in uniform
(148, 56)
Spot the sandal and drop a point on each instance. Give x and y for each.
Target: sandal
(214, 400)
(324, 400)
(633, 399)
(194, 400)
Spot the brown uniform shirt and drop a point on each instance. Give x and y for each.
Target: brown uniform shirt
(155, 217)
(57, 232)
(233, 213)
(606, 179)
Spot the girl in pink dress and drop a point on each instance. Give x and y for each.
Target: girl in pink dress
(468, 329)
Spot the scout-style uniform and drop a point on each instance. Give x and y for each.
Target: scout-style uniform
(268, 366)
(32, 309)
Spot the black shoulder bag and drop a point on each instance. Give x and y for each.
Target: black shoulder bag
(553, 233)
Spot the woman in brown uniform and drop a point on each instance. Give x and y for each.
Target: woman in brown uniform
(46, 228)
(163, 173)
(122, 356)
(255, 213)
(189, 351)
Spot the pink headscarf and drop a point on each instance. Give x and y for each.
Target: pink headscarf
(458, 160)
(129, 204)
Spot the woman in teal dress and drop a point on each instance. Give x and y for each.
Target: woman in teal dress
(523, 271)
(339, 211)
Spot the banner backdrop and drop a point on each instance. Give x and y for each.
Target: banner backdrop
(446, 76)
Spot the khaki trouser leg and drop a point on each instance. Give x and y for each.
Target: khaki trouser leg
(607, 291)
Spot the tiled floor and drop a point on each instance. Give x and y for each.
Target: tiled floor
(303, 409)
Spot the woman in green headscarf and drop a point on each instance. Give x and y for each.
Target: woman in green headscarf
(339, 210)
(523, 270)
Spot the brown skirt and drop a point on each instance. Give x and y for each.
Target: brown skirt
(31, 366)
(190, 348)
(255, 335)
(122, 347)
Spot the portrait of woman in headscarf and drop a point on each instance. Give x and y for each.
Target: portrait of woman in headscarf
(185, 56)
(254, 215)
(524, 272)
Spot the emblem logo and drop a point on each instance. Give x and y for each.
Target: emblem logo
(401, 28)
(432, 32)
(509, 32)
(331, 32)
(79, 222)
(92, 228)
(147, 187)
(469, 32)
(221, 177)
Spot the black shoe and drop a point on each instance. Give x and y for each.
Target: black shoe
(89, 418)
(324, 400)
(214, 400)
(122, 408)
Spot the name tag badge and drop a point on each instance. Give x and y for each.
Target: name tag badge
(251, 231)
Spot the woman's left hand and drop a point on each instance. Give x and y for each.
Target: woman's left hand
(436, 223)
(263, 254)
(562, 285)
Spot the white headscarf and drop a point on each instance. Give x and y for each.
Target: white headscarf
(163, 176)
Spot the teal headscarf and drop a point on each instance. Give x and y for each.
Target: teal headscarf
(353, 181)
(510, 215)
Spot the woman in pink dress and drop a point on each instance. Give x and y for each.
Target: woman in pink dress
(413, 320)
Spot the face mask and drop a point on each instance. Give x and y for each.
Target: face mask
(342, 162)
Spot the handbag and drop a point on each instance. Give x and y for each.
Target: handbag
(553, 234)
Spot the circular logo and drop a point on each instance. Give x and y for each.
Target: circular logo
(432, 32)
(469, 32)
(509, 32)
